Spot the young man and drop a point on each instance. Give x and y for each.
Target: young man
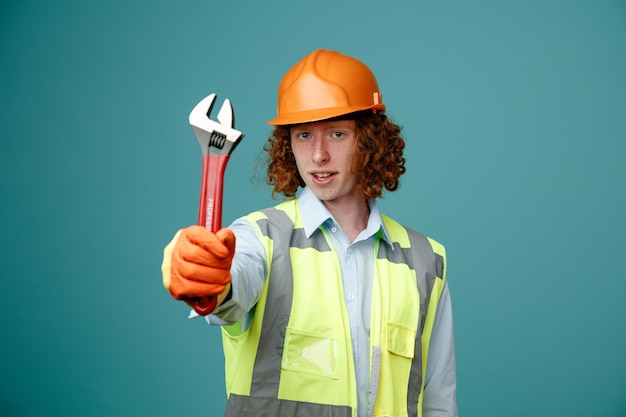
(328, 307)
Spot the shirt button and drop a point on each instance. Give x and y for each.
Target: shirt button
(351, 297)
(334, 230)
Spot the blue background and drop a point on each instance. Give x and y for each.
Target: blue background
(515, 118)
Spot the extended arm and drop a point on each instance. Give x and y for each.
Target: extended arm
(248, 272)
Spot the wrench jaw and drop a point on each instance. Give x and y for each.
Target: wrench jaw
(215, 138)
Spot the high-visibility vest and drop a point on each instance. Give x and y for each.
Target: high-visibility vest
(295, 359)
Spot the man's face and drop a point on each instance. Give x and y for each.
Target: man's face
(324, 152)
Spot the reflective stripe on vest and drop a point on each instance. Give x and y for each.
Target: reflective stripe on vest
(418, 253)
(269, 337)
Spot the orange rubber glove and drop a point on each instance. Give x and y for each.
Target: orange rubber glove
(196, 263)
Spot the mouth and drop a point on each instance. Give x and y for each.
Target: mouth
(321, 176)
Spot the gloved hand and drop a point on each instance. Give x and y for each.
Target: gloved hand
(196, 263)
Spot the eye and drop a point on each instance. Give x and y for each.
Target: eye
(301, 135)
(337, 135)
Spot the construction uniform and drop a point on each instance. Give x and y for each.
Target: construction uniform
(320, 326)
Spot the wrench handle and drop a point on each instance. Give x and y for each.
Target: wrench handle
(211, 191)
(210, 212)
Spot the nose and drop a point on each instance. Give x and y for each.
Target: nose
(320, 154)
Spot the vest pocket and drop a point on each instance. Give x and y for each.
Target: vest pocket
(311, 353)
(401, 340)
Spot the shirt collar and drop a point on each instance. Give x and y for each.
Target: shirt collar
(314, 214)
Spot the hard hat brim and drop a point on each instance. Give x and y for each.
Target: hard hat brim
(317, 115)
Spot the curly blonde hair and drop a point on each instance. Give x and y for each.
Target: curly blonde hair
(378, 162)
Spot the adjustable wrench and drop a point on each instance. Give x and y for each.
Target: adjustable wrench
(217, 141)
